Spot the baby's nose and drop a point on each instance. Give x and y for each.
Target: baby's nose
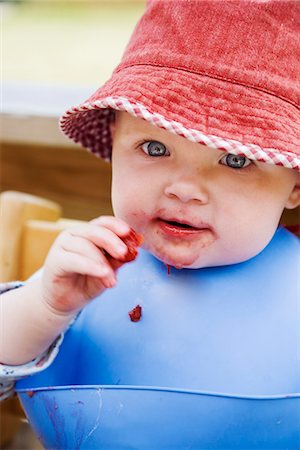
(187, 190)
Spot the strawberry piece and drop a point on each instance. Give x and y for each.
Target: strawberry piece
(135, 314)
(133, 240)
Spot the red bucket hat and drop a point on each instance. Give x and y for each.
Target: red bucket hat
(221, 73)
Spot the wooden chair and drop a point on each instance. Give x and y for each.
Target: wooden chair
(29, 225)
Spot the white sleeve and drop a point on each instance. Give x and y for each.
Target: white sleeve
(9, 374)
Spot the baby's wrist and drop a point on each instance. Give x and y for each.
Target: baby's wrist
(64, 315)
(37, 324)
(52, 313)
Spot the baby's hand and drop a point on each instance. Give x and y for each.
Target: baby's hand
(83, 260)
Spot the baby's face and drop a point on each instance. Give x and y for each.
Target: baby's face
(196, 206)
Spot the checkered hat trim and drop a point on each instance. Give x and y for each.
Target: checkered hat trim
(82, 124)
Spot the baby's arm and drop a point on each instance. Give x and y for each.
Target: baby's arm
(80, 265)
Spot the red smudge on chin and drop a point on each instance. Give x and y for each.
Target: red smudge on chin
(168, 269)
(133, 240)
(135, 314)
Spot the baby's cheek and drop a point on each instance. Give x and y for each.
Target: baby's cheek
(248, 246)
(137, 219)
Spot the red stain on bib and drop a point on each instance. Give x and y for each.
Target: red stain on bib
(135, 314)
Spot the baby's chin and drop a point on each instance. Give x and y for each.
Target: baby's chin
(180, 261)
(199, 261)
(221, 262)
(212, 256)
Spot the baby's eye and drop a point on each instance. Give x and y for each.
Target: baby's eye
(155, 148)
(235, 161)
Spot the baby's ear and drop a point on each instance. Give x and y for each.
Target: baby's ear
(294, 198)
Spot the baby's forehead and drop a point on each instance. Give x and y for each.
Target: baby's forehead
(126, 123)
(124, 119)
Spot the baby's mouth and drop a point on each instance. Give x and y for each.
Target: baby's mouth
(180, 224)
(183, 229)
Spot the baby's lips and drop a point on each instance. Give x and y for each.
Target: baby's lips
(133, 240)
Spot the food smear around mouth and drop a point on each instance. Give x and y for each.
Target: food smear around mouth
(183, 227)
(135, 314)
(182, 230)
(133, 240)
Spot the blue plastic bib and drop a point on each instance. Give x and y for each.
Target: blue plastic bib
(212, 364)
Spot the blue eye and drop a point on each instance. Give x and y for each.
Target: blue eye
(235, 161)
(155, 148)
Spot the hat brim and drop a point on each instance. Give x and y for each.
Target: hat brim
(215, 112)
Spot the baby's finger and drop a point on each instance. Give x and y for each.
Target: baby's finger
(72, 262)
(82, 246)
(101, 237)
(115, 224)
(87, 249)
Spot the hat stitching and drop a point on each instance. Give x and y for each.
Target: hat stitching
(281, 134)
(152, 82)
(87, 107)
(253, 151)
(194, 107)
(259, 117)
(218, 77)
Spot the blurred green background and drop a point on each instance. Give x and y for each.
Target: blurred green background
(65, 42)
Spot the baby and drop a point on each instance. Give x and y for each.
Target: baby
(201, 123)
